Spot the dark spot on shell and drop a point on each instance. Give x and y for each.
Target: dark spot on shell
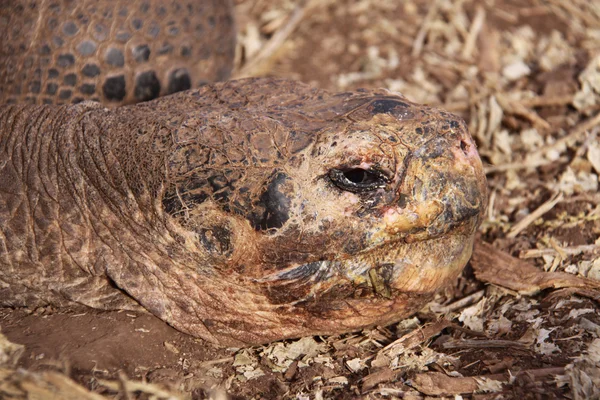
(153, 30)
(35, 87)
(51, 88)
(77, 100)
(114, 57)
(179, 80)
(46, 101)
(45, 50)
(186, 51)
(57, 41)
(100, 32)
(144, 7)
(419, 131)
(123, 12)
(64, 94)
(87, 88)
(147, 86)
(165, 48)
(86, 47)
(137, 23)
(90, 70)
(114, 88)
(83, 18)
(70, 28)
(173, 31)
(70, 80)
(161, 11)
(65, 60)
(123, 36)
(204, 53)
(141, 53)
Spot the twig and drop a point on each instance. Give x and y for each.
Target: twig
(546, 101)
(490, 169)
(517, 108)
(570, 251)
(275, 42)
(482, 344)
(578, 130)
(457, 305)
(422, 34)
(541, 210)
(476, 27)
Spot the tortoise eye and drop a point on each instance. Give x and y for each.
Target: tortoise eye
(357, 180)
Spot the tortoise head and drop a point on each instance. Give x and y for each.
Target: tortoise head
(333, 212)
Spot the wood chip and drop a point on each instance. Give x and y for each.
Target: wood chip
(499, 268)
(439, 384)
(416, 338)
(380, 376)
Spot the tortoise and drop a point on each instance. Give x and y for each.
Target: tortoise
(239, 212)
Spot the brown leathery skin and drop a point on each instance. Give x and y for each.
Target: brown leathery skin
(240, 212)
(112, 51)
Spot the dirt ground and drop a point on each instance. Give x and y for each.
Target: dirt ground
(522, 322)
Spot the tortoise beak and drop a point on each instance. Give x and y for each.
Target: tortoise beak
(443, 188)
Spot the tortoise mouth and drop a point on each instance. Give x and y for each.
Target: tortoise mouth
(395, 265)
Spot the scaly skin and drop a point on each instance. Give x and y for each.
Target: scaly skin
(236, 212)
(112, 51)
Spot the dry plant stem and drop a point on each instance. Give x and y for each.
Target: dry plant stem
(423, 30)
(540, 101)
(476, 27)
(517, 108)
(522, 165)
(457, 305)
(541, 210)
(482, 344)
(569, 251)
(416, 337)
(575, 7)
(578, 130)
(275, 42)
(547, 101)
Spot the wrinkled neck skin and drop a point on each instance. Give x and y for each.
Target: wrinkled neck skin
(83, 220)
